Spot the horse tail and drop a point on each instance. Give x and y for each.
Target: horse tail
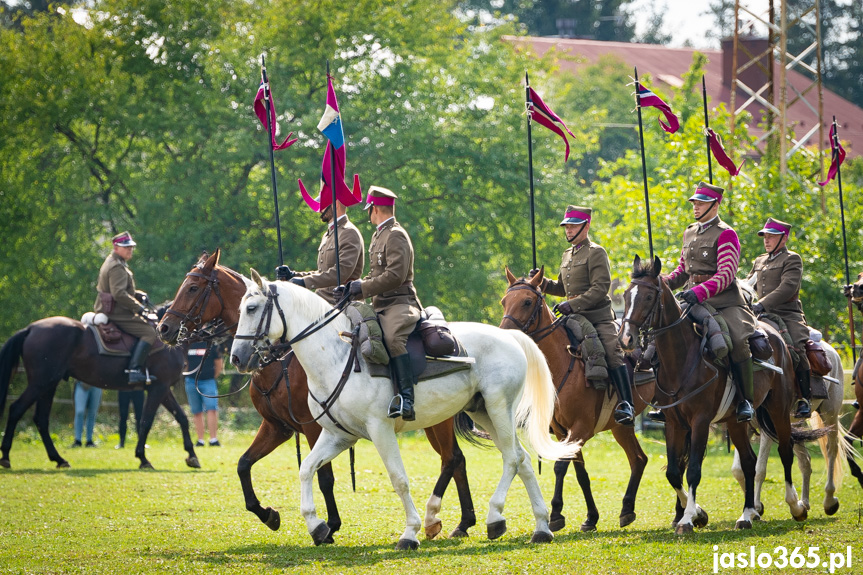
(844, 448)
(9, 356)
(536, 408)
(465, 429)
(798, 435)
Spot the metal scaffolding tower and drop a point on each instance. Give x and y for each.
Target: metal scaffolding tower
(763, 76)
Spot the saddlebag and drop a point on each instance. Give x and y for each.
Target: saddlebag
(819, 363)
(760, 346)
(437, 338)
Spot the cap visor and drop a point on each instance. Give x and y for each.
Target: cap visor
(772, 232)
(702, 198)
(575, 221)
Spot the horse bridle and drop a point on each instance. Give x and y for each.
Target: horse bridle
(196, 311)
(535, 314)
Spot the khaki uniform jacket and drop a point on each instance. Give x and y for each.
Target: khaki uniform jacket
(116, 278)
(351, 260)
(585, 279)
(391, 268)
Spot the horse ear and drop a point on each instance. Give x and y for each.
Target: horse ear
(536, 280)
(509, 277)
(217, 255)
(636, 263)
(657, 265)
(256, 277)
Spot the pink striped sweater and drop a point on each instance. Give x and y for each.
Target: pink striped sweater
(727, 262)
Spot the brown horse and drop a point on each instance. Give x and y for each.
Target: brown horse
(525, 309)
(695, 393)
(212, 291)
(58, 348)
(855, 292)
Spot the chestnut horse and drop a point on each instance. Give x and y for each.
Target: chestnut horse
(212, 291)
(58, 348)
(855, 292)
(525, 309)
(694, 394)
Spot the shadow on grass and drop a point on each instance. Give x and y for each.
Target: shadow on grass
(83, 472)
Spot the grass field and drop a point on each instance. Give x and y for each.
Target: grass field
(106, 516)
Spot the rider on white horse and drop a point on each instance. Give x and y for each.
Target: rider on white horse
(390, 285)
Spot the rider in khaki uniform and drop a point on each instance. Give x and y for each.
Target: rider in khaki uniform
(776, 277)
(124, 305)
(585, 279)
(390, 285)
(351, 257)
(708, 269)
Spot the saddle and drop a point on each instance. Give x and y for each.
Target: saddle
(110, 339)
(819, 363)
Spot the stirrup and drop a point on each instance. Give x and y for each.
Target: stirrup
(656, 415)
(396, 406)
(624, 414)
(804, 409)
(137, 377)
(744, 411)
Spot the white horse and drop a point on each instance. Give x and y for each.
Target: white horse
(509, 385)
(825, 413)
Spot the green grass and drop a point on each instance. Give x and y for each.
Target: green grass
(106, 516)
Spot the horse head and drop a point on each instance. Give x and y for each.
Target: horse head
(523, 303)
(255, 324)
(641, 300)
(193, 305)
(855, 291)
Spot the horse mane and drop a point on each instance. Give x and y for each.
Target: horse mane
(644, 268)
(231, 272)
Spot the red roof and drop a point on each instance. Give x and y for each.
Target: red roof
(668, 65)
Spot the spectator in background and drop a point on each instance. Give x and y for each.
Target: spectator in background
(211, 365)
(136, 397)
(87, 400)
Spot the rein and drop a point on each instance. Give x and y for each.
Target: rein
(196, 312)
(536, 314)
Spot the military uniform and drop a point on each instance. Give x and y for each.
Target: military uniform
(776, 278)
(351, 259)
(116, 299)
(585, 280)
(707, 269)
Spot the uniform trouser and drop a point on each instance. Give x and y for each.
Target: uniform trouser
(607, 332)
(799, 332)
(136, 326)
(741, 325)
(397, 323)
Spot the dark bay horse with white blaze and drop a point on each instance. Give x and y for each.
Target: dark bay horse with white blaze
(581, 411)
(212, 291)
(58, 348)
(695, 393)
(509, 385)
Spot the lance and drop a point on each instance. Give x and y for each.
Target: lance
(299, 456)
(707, 127)
(333, 186)
(644, 167)
(529, 105)
(268, 102)
(844, 240)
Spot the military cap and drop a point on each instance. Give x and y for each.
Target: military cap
(707, 193)
(123, 240)
(775, 227)
(576, 215)
(379, 196)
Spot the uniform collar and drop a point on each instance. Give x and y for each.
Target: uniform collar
(383, 224)
(703, 227)
(118, 258)
(330, 226)
(777, 253)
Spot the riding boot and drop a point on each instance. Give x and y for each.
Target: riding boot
(624, 414)
(742, 373)
(402, 404)
(137, 361)
(804, 409)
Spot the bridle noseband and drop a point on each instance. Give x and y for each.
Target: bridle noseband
(535, 314)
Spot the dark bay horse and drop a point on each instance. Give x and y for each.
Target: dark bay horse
(280, 394)
(855, 292)
(57, 348)
(581, 411)
(695, 394)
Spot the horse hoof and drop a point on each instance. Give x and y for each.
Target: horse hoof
(743, 525)
(802, 516)
(627, 518)
(496, 529)
(320, 534)
(434, 529)
(684, 529)
(458, 532)
(407, 545)
(5, 463)
(542, 537)
(193, 462)
(701, 519)
(145, 465)
(557, 524)
(760, 508)
(588, 526)
(60, 465)
(274, 520)
(832, 509)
